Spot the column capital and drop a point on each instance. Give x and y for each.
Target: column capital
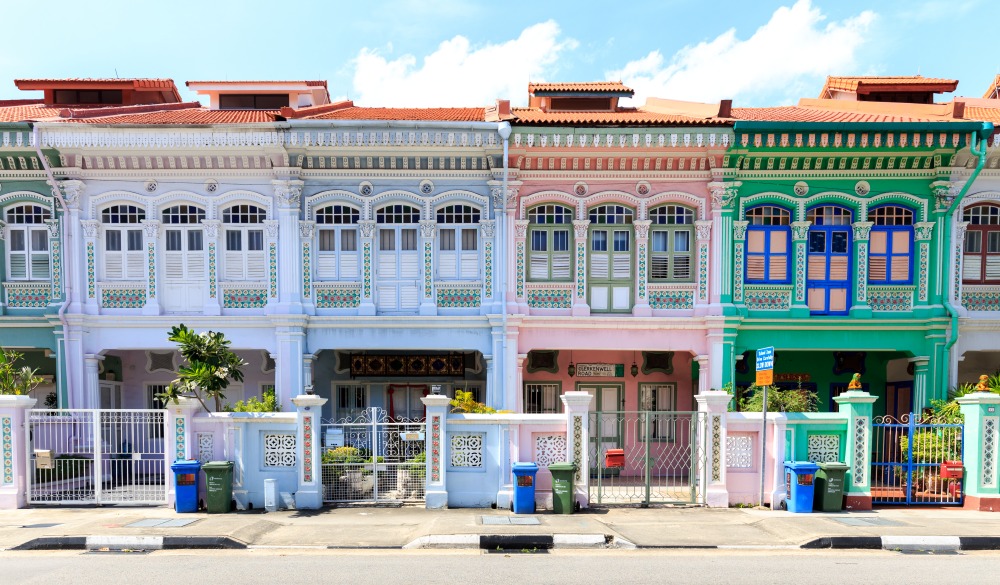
(862, 229)
(367, 228)
(306, 228)
(580, 227)
(211, 227)
(642, 228)
(288, 193)
(521, 228)
(576, 401)
(800, 230)
(724, 193)
(307, 401)
(488, 228)
(703, 230)
(151, 227)
(923, 230)
(740, 230)
(428, 228)
(271, 227)
(91, 227)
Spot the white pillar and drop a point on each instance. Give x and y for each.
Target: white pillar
(576, 405)
(178, 442)
(289, 332)
(289, 252)
(309, 495)
(436, 490)
(92, 397)
(14, 457)
(712, 406)
(704, 375)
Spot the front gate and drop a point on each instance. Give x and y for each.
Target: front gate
(916, 461)
(91, 456)
(374, 458)
(646, 457)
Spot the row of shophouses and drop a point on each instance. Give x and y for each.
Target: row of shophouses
(366, 254)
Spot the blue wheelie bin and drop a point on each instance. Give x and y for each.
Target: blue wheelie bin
(799, 479)
(524, 488)
(186, 484)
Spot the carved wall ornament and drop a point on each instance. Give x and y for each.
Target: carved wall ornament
(581, 189)
(271, 228)
(288, 193)
(306, 228)
(426, 187)
(641, 228)
(642, 188)
(366, 188)
(740, 229)
(703, 229)
(724, 194)
(151, 186)
(91, 227)
(521, 228)
(211, 186)
(211, 227)
(53, 225)
(800, 229)
(151, 227)
(862, 229)
(923, 230)
(367, 228)
(580, 228)
(862, 188)
(428, 228)
(71, 191)
(801, 188)
(488, 227)
(945, 192)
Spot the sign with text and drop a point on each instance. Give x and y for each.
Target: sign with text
(765, 358)
(764, 377)
(600, 370)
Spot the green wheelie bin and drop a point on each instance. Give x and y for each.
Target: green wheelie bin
(563, 499)
(219, 479)
(829, 496)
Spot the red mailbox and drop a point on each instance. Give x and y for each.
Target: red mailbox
(614, 458)
(952, 470)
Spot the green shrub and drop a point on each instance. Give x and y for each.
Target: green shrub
(268, 403)
(344, 455)
(793, 400)
(418, 465)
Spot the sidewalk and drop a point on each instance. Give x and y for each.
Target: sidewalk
(415, 527)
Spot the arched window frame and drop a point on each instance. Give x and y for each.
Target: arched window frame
(458, 242)
(671, 241)
(610, 260)
(550, 243)
(768, 245)
(123, 255)
(828, 259)
(244, 257)
(981, 257)
(337, 256)
(890, 245)
(184, 242)
(28, 243)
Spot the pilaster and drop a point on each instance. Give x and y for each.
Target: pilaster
(576, 405)
(91, 229)
(857, 407)
(800, 235)
(981, 411)
(271, 231)
(712, 407)
(14, 457)
(213, 306)
(309, 495)
(487, 233)
(305, 239)
(366, 228)
(436, 491)
(92, 396)
(178, 443)
(291, 260)
(921, 380)
(580, 232)
(703, 239)
(739, 259)
(520, 254)
(428, 233)
(860, 307)
(150, 237)
(640, 306)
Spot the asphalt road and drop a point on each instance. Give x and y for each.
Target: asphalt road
(603, 567)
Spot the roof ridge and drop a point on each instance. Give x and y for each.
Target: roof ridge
(122, 110)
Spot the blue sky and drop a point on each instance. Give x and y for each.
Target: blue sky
(467, 53)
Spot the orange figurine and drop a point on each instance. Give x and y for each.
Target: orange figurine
(855, 382)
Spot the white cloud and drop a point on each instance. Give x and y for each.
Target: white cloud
(778, 59)
(459, 74)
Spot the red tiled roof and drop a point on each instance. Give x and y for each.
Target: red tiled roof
(185, 116)
(429, 114)
(27, 111)
(588, 86)
(621, 116)
(806, 114)
(994, 91)
(102, 112)
(860, 83)
(309, 111)
(133, 82)
(983, 114)
(312, 83)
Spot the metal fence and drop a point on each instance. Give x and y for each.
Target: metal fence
(645, 457)
(916, 461)
(96, 457)
(373, 458)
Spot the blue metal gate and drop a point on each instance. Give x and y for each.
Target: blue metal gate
(916, 461)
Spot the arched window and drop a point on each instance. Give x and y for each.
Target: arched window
(398, 287)
(670, 235)
(549, 228)
(828, 264)
(337, 240)
(610, 259)
(184, 262)
(244, 258)
(768, 245)
(28, 243)
(458, 242)
(123, 255)
(981, 261)
(890, 248)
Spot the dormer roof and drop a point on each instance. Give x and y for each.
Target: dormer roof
(836, 86)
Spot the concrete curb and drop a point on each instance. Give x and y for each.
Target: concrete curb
(516, 542)
(907, 543)
(120, 543)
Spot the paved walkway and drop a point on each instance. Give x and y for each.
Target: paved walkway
(353, 527)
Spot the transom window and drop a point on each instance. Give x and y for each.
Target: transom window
(244, 257)
(549, 234)
(768, 245)
(28, 243)
(829, 215)
(890, 245)
(981, 261)
(337, 237)
(398, 214)
(123, 255)
(183, 214)
(458, 214)
(611, 214)
(670, 237)
(458, 242)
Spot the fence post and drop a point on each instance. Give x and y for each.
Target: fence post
(714, 405)
(309, 495)
(436, 446)
(178, 436)
(576, 406)
(856, 405)
(13, 435)
(981, 446)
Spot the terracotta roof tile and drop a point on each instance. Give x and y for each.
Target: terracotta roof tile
(430, 114)
(185, 116)
(589, 86)
(136, 82)
(853, 84)
(25, 112)
(629, 116)
(983, 114)
(805, 114)
(311, 83)
(994, 91)
(85, 112)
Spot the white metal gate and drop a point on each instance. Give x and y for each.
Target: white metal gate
(92, 456)
(374, 458)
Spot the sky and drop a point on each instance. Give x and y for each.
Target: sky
(424, 53)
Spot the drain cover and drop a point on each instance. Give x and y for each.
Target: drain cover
(162, 523)
(508, 520)
(869, 522)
